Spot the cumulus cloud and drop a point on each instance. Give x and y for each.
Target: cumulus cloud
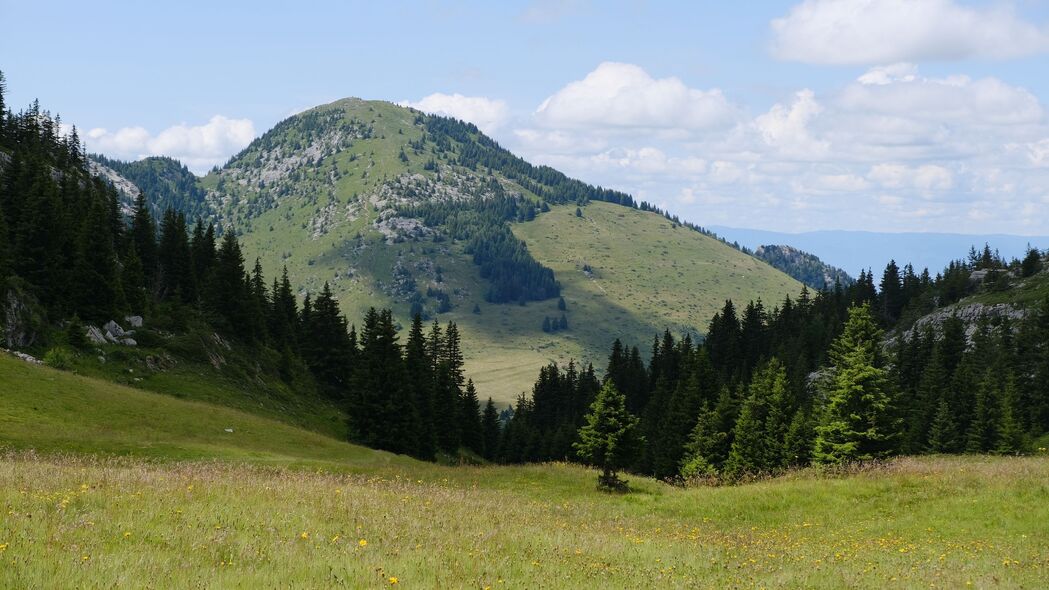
(889, 31)
(619, 95)
(891, 150)
(199, 147)
(488, 114)
(786, 127)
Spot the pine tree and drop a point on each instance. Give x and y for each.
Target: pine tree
(758, 440)
(470, 420)
(419, 371)
(144, 238)
(857, 423)
(227, 289)
(1032, 263)
(490, 430)
(609, 439)
(681, 415)
(1011, 439)
(943, 433)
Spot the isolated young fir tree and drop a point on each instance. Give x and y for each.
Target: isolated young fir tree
(858, 422)
(609, 439)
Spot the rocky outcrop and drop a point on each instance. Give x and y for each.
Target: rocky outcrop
(23, 324)
(113, 333)
(970, 315)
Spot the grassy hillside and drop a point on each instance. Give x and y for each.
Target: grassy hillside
(296, 509)
(48, 410)
(319, 193)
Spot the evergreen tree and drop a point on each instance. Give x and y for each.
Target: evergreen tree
(758, 441)
(1032, 263)
(609, 439)
(943, 433)
(1011, 438)
(227, 289)
(419, 371)
(144, 238)
(490, 430)
(470, 420)
(857, 423)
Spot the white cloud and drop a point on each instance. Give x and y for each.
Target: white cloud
(619, 95)
(786, 127)
(199, 147)
(889, 31)
(892, 150)
(1038, 153)
(486, 113)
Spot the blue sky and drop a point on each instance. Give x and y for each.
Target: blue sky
(885, 115)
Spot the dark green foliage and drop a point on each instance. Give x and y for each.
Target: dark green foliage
(609, 438)
(805, 267)
(470, 420)
(490, 430)
(1032, 263)
(858, 421)
(761, 429)
(169, 184)
(545, 426)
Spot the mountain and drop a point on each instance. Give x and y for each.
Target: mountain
(855, 251)
(167, 182)
(395, 208)
(803, 266)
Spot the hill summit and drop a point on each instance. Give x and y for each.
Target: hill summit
(424, 214)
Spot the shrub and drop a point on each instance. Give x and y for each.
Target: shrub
(60, 358)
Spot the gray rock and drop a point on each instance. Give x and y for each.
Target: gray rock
(110, 337)
(128, 342)
(113, 328)
(23, 356)
(22, 321)
(95, 335)
(135, 321)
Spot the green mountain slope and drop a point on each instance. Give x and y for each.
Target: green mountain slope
(48, 410)
(330, 193)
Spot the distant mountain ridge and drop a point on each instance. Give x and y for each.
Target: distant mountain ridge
(855, 251)
(803, 266)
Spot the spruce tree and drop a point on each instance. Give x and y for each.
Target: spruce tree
(758, 442)
(943, 433)
(144, 238)
(419, 372)
(490, 429)
(470, 420)
(227, 289)
(609, 439)
(858, 421)
(1011, 439)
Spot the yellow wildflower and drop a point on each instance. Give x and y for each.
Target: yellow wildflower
(362, 543)
(304, 535)
(394, 581)
(127, 534)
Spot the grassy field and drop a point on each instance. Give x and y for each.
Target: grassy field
(186, 504)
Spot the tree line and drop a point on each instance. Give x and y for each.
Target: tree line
(813, 380)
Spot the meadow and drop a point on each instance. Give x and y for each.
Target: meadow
(108, 486)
